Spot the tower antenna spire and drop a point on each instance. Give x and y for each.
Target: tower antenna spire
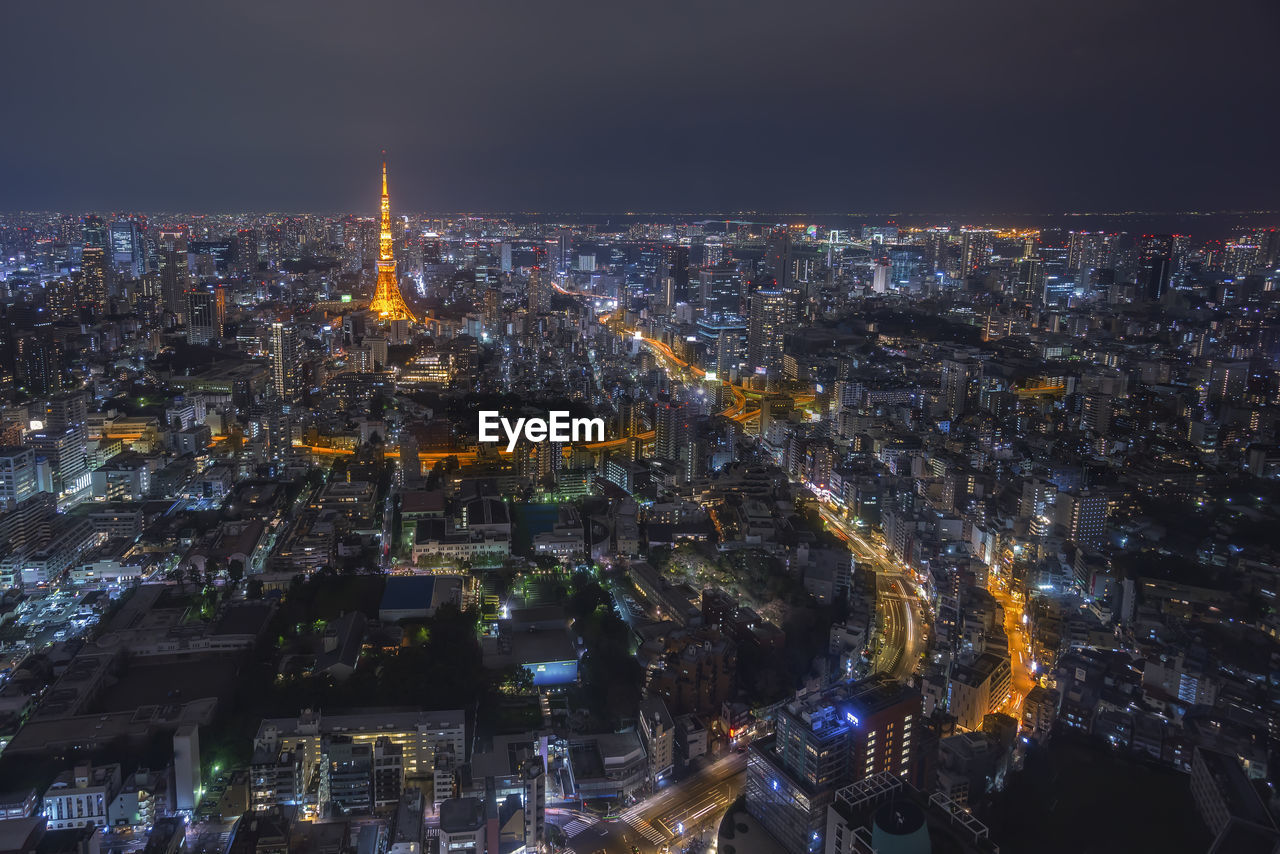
(387, 301)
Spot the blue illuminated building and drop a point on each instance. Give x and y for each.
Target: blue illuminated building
(825, 741)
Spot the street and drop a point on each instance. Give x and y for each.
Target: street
(904, 642)
(904, 619)
(1024, 678)
(681, 811)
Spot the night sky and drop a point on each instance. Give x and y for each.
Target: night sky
(950, 106)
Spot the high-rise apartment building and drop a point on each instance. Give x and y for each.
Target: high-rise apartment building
(93, 273)
(956, 377)
(976, 248)
(771, 311)
(247, 250)
(539, 291)
(286, 373)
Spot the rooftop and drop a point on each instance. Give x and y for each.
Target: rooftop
(460, 815)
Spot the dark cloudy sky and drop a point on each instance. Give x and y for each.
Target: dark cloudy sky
(963, 106)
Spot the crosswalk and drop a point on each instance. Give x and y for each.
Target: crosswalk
(575, 827)
(647, 830)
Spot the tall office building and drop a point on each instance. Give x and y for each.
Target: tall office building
(17, 476)
(1057, 289)
(907, 267)
(66, 453)
(186, 767)
(665, 289)
(725, 339)
(771, 311)
(126, 248)
(1155, 265)
(821, 743)
(1029, 280)
(777, 258)
(721, 290)
(559, 246)
(206, 314)
(675, 261)
(174, 276)
(95, 232)
(286, 373)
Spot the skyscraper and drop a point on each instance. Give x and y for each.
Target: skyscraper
(126, 248)
(37, 362)
(880, 276)
(62, 439)
(538, 292)
(558, 248)
(286, 374)
(1029, 284)
(17, 476)
(777, 258)
(672, 424)
(247, 250)
(675, 259)
(206, 312)
(721, 290)
(725, 340)
(1155, 265)
(174, 276)
(95, 232)
(771, 311)
(387, 302)
(976, 246)
(93, 271)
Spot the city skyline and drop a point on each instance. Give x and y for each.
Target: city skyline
(869, 515)
(728, 426)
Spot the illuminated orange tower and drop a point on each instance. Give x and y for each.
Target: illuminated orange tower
(387, 301)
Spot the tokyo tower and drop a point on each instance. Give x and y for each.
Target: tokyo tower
(387, 301)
